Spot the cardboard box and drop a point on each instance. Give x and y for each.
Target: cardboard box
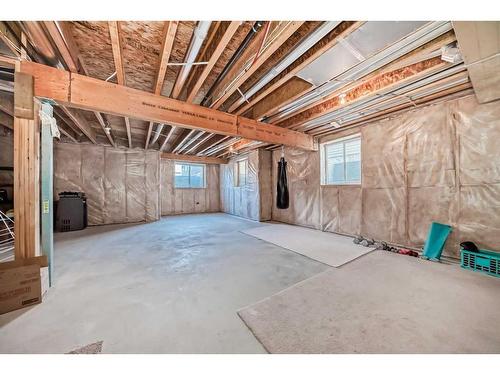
(19, 287)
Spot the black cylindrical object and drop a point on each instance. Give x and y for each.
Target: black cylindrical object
(282, 198)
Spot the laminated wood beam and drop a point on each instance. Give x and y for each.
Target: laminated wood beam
(169, 32)
(75, 90)
(282, 36)
(226, 38)
(194, 159)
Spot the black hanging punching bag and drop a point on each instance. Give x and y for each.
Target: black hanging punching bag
(282, 199)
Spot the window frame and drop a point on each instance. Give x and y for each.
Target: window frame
(204, 166)
(236, 171)
(324, 164)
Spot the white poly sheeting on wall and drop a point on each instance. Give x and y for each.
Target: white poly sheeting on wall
(186, 200)
(121, 186)
(253, 200)
(437, 163)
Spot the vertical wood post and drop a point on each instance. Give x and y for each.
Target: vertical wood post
(26, 169)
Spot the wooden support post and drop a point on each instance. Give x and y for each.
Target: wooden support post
(26, 170)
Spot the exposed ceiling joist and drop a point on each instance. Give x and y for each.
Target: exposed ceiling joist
(80, 122)
(417, 55)
(116, 44)
(340, 32)
(169, 31)
(378, 83)
(83, 92)
(194, 159)
(226, 38)
(100, 119)
(62, 47)
(167, 138)
(199, 143)
(105, 129)
(6, 120)
(281, 37)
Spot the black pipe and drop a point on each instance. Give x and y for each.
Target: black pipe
(251, 34)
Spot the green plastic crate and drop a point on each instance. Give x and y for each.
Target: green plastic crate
(484, 261)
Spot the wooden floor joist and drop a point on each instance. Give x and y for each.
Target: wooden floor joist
(75, 90)
(340, 32)
(194, 159)
(286, 31)
(169, 32)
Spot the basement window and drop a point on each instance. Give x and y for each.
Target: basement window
(189, 175)
(240, 173)
(341, 161)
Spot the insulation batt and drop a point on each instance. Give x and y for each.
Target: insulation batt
(436, 163)
(122, 186)
(253, 200)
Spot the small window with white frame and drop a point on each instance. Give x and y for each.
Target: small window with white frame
(241, 173)
(341, 161)
(189, 175)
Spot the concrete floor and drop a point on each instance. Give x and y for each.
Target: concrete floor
(172, 286)
(382, 303)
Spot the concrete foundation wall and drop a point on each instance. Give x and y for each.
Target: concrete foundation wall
(437, 163)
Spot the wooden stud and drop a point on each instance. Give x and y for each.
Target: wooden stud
(26, 182)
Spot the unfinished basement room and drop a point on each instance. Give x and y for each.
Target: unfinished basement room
(321, 187)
